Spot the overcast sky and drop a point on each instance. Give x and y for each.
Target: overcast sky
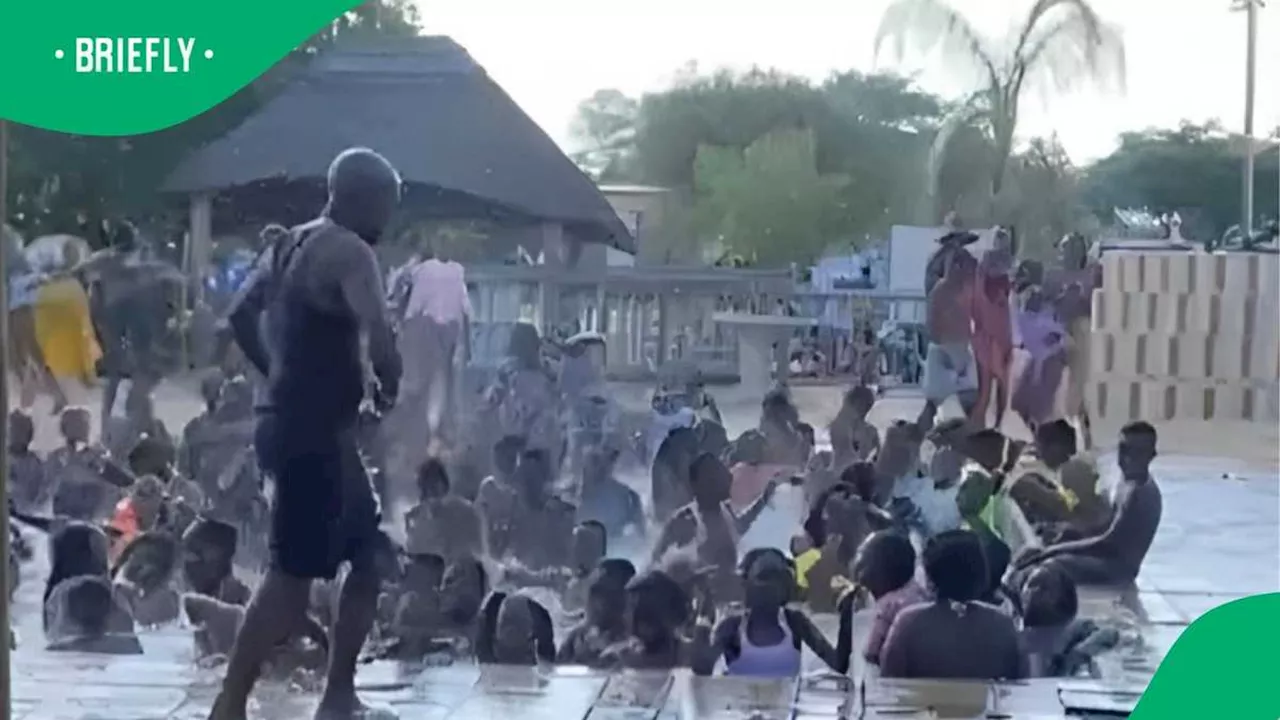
(1185, 59)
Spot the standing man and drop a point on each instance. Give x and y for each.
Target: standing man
(950, 368)
(436, 324)
(300, 319)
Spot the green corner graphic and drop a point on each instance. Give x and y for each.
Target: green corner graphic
(90, 67)
(1225, 666)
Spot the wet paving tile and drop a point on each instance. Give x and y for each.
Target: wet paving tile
(1193, 605)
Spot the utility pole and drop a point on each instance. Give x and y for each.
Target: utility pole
(6, 668)
(1250, 9)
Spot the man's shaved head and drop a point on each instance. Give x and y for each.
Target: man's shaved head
(364, 189)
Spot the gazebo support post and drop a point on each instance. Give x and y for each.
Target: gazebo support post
(201, 240)
(553, 258)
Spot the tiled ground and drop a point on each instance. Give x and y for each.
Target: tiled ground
(1220, 540)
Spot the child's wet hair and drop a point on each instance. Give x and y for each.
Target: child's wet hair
(703, 465)
(859, 396)
(71, 413)
(860, 477)
(895, 558)
(165, 546)
(755, 555)
(1067, 601)
(21, 422)
(1058, 433)
(1140, 429)
(543, 629)
(956, 565)
(149, 452)
(665, 594)
(432, 470)
(89, 604)
(614, 572)
(987, 443)
(74, 550)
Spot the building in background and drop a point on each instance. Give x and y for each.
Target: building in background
(641, 208)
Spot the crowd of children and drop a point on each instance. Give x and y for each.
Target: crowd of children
(161, 535)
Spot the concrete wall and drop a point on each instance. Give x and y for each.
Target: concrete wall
(1187, 336)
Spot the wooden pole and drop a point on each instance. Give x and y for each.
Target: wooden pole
(6, 673)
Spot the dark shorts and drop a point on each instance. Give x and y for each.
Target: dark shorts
(324, 512)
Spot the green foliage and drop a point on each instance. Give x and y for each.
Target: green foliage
(1195, 170)
(871, 130)
(62, 183)
(769, 203)
(604, 128)
(1057, 42)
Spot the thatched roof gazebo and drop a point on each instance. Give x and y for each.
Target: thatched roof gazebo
(464, 148)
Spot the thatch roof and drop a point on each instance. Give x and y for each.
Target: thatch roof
(434, 112)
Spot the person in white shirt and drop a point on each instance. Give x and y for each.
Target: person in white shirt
(436, 326)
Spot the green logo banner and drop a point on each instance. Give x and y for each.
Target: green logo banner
(1223, 666)
(91, 67)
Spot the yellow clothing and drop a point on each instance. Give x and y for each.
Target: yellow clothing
(804, 563)
(65, 331)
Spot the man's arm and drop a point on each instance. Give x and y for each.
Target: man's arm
(246, 313)
(1086, 545)
(360, 281)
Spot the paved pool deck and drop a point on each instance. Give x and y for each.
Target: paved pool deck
(1219, 541)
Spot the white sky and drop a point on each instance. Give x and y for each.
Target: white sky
(1185, 58)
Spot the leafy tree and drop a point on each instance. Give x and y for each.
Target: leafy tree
(1194, 170)
(604, 128)
(769, 203)
(1042, 200)
(1059, 41)
(873, 130)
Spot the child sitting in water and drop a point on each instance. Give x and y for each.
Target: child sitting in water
(415, 613)
(514, 630)
(658, 607)
(497, 498)
(606, 623)
(442, 523)
(1058, 643)
(208, 549)
(28, 481)
(88, 619)
(766, 639)
(142, 577)
(589, 546)
(885, 566)
(75, 617)
(607, 500)
(86, 481)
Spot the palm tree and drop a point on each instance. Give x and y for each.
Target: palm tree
(1061, 41)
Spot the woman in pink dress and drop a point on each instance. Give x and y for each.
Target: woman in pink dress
(993, 330)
